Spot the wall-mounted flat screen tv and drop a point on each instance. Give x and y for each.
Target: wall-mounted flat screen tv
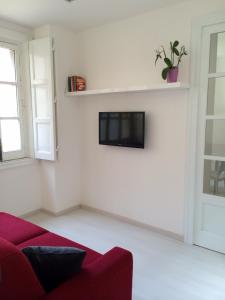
(125, 129)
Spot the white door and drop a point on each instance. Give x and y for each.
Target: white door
(210, 179)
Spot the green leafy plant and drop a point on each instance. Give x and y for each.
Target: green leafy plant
(175, 57)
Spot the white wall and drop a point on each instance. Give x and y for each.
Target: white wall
(145, 185)
(20, 187)
(54, 186)
(61, 179)
(123, 53)
(68, 122)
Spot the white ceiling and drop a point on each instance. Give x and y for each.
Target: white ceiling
(77, 15)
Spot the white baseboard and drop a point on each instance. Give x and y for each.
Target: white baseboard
(49, 212)
(133, 222)
(30, 213)
(109, 214)
(61, 212)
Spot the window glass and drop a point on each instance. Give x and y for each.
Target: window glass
(7, 63)
(216, 96)
(8, 101)
(11, 136)
(215, 137)
(214, 178)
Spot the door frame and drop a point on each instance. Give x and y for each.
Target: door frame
(197, 27)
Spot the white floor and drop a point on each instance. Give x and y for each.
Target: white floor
(163, 268)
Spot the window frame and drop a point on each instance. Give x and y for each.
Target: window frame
(13, 155)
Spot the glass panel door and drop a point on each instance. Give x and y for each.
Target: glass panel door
(210, 187)
(214, 165)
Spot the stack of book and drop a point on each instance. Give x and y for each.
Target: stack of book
(76, 84)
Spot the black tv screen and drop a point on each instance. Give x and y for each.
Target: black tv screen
(126, 129)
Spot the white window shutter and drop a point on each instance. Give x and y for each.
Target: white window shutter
(43, 98)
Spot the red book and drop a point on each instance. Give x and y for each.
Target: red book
(72, 84)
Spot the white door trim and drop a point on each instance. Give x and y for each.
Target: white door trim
(198, 25)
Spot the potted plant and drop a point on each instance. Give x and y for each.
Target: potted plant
(170, 72)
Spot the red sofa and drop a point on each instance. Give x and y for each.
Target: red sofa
(103, 277)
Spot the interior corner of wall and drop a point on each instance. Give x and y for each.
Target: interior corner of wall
(42, 31)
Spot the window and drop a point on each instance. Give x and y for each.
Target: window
(12, 145)
(27, 99)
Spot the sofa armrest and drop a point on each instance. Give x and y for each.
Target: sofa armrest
(107, 278)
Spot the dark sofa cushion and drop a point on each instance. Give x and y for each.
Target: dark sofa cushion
(54, 265)
(54, 240)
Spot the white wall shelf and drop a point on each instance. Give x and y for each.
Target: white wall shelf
(159, 87)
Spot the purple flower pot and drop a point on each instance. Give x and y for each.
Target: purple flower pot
(172, 75)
